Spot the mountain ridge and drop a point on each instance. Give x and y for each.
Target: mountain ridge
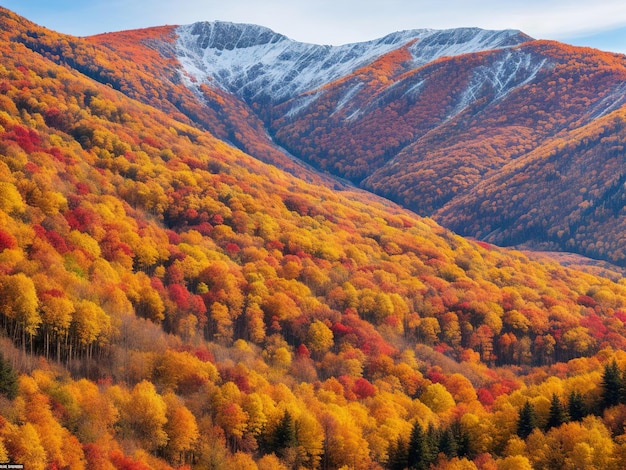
(422, 134)
(287, 62)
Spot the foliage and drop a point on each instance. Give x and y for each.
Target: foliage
(512, 146)
(8, 379)
(527, 421)
(170, 301)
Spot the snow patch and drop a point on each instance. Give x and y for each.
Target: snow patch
(256, 63)
(300, 104)
(514, 70)
(612, 101)
(455, 42)
(347, 97)
(414, 90)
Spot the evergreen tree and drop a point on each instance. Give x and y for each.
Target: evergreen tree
(417, 452)
(397, 455)
(462, 438)
(611, 384)
(527, 421)
(558, 413)
(576, 407)
(622, 396)
(431, 449)
(448, 444)
(8, 379)
(284, 435)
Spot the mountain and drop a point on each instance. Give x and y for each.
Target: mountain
(441, 147)
(168, 300)
(258, 65)
(491, 133)
(447, 139)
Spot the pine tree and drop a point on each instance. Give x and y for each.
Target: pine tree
(576, 406)
(463, 439)
(432, 445)
(397, 455)
(611, 384)
(284, 435)
(417, 448)
(527, 420)
(558, 413)
(8, 379)
(448, 444)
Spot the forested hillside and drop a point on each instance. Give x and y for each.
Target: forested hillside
(168, 301)
(519, 145)
(442, 122)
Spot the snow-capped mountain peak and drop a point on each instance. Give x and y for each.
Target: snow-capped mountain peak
(221, 35)
(255, 62)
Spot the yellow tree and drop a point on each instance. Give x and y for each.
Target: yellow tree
(148, 304)
(242, 461)
(270, 462)
(319, 338)
(344, 442)
(90, 321)
(10, 198)
(145, 416)
(429, 330)
(182, 372)
(253, 406)
(19, 306)
(37, 411)
(4, 456)
(96, 412)
(456, 464)
(514, 462)
(585, 444)
(181, 429)
(23, 446)
(437, 398)
(223, 322)
(255, 323)
(310, 438)
(56, 314)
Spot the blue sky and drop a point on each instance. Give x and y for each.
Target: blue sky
(600, 24)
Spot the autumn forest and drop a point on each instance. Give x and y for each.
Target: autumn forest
(176, 293)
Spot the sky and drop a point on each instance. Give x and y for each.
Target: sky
(600, 23)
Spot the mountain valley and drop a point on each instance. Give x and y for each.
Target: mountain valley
(437, 121)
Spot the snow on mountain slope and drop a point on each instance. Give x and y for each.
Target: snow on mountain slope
(256, 63)
(454, 42)
(515, 69)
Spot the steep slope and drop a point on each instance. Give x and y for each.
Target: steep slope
(574, 195)
(171, 301)
(392, 107)
(529, 92)
(435, 119)
(434, 138)
(143, 65)
(568, 123)
(429, 119)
